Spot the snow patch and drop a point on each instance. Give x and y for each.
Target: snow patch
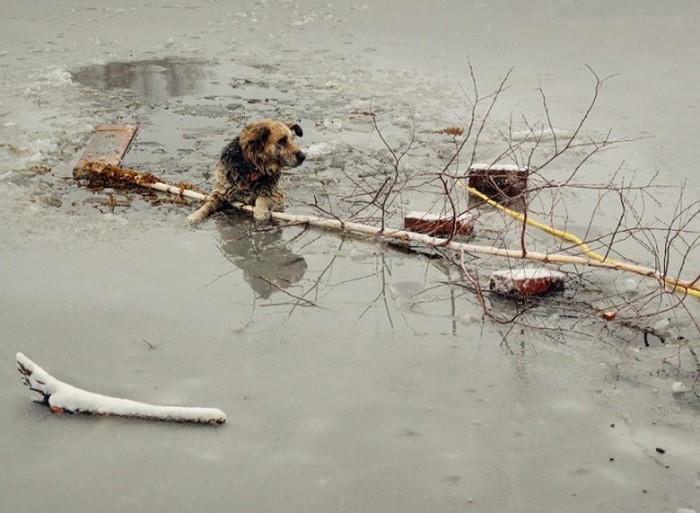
(58, 77)
(499, 167)
(678, 387)
(528, 273)
(429, 216)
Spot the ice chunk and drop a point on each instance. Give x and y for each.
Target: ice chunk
(317, 150)
(678, 387)
(661, 327)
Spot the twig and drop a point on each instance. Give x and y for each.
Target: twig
(299, 299)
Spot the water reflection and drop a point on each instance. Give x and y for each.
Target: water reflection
(155, 79)
(267, 263)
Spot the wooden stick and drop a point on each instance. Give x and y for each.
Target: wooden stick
(64, 398)
(677, 285)
(403, 235)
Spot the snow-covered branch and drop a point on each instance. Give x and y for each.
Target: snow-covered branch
(64, 398)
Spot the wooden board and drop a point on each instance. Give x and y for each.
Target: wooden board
(108, 145)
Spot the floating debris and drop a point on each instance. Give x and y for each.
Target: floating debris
(109, 175)
(439, 225)
(498, 181)
(530, 281)
(454, 131)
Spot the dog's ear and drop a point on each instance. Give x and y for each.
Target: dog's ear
(294, 127)
(262, 134)
(259, 137)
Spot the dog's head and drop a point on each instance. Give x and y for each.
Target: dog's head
(269, 145)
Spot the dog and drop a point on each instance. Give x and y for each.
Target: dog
(249, 169)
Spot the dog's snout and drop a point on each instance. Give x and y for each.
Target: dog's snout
(301, 157)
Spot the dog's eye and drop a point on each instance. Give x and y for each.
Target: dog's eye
(283, 141)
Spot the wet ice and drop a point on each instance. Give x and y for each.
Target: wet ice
(367, 403)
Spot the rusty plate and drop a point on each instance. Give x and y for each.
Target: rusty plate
(108, 145)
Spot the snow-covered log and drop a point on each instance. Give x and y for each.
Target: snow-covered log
(64, 398)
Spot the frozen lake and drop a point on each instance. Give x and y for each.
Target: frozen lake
(355, 377)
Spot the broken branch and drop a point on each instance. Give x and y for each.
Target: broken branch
(64, 398)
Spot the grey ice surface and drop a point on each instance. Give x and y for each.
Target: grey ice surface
(383, 389)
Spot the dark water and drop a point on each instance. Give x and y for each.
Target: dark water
(153, 79)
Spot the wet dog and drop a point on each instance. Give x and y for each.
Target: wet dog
(250, 167)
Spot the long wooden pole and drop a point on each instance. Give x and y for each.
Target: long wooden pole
(151, 182)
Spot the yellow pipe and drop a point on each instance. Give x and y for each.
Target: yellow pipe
(677, 286)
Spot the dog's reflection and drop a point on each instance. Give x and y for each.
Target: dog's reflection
(267, 263)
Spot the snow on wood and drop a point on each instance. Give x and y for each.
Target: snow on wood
(497, 167)
(529, 281)
(64, 398)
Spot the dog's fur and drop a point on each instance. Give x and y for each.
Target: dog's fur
(250, 167)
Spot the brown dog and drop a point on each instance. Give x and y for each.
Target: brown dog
(250, 167)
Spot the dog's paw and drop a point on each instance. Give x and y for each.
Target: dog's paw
(265, 205)
(195, 218)
(261, 212)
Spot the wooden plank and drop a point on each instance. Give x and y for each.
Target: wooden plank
(108, 145)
